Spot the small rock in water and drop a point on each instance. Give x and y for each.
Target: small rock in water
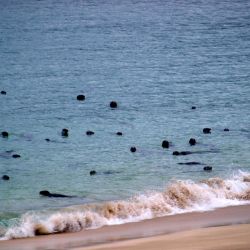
(5, 177)
(119, 133)
(113, 104)
(185, 153)
(207, 130)
(182, 153)
(16, 156)
(48, 194)
(165, 144)
(80, 97)
(92, 172)
(192, 141)
(65, 132)
(190, 163)
(3, 92)
(176, 153)
(133, 149)
(226, 129)
(207, 168)
(44, 193)
(5, 134)
(89, 132)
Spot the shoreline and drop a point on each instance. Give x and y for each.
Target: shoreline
(148, 228)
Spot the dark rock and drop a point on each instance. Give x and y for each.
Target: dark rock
(119, 133)
(133, 149)
(16, 156)
(176, 153)
(193, 107)
(113, 104)
(207, 168)
(65, 132)
(5, 177)
(190, 163)
(185, 153)
(3, 92)
(92, 172)
(207, 130)
(182, 153)
(89, 132)
(80, 97)
(48, 194)
(44, 193)
(226, 129)
(165, 144)
(5, 134)
(47, 139)
(192, 141)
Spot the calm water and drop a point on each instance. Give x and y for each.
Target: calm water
(157, 59)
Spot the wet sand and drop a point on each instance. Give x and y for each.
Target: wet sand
(216, 238)
(177, 232)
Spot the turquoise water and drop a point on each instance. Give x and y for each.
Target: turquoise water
(157, 59)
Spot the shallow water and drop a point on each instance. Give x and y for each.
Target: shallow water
(156, 59)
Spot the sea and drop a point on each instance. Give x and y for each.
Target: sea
(174, 67)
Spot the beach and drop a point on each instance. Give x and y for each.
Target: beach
(124, 125)
(216, 238)
(203, 230)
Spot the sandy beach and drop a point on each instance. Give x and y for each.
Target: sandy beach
(217, 229)
(217, 238)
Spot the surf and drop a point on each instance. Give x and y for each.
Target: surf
(179, 196)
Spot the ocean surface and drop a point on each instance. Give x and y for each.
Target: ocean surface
(156, 59)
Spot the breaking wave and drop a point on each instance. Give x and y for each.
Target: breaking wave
(178, 197)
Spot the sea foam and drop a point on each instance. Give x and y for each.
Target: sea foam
(178, 197)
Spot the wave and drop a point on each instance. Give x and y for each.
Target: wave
(178, 197)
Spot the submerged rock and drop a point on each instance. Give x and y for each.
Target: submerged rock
(165, 144)
(207, 168)
(80, 97)
(207, 131)
(113, 105)
(185, 153)
(5, 134)
(182, 153)
(133, 149)
(5, 177)
(48, 194)
(9, 151)
(65, 132)
(192, 141)
(190, 163)
(108, 172)
(92, 172)
(89, 132)
(16, 156)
